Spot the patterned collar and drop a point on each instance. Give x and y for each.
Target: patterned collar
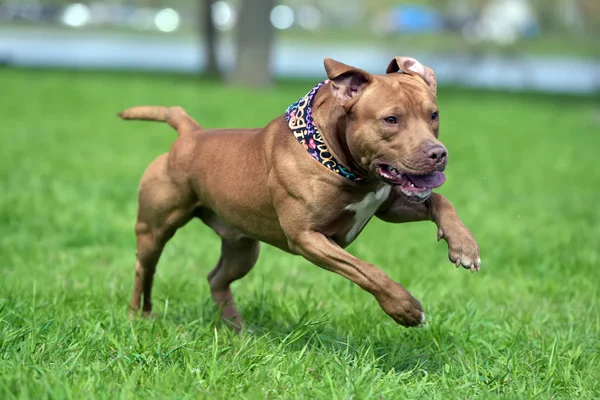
(300, 121)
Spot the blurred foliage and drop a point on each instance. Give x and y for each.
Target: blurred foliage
(551, 13)
(567, 27)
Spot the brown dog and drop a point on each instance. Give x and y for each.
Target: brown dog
(375, 138)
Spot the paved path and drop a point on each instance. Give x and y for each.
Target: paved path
(66, 49)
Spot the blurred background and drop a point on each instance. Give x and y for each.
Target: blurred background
(520, 96)
(508, 44)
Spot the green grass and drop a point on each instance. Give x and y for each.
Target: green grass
(523, 175)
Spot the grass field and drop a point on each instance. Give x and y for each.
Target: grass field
(523, 174)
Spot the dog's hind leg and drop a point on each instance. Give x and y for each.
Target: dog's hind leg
(237, 259)
(239, 254)
(163, 207)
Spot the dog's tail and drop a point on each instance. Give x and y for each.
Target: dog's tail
(174, 116)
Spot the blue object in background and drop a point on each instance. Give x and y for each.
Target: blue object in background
(417, 19)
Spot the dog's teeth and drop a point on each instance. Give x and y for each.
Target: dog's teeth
(412, 185)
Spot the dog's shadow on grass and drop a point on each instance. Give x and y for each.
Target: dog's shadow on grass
(390, 348)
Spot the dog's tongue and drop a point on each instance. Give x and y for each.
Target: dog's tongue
(429, 181)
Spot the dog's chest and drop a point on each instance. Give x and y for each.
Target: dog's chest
(364, 210)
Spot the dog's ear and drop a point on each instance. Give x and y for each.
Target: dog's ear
(347, 82)
(409, 65)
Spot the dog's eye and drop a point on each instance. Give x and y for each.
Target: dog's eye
(435, 116)
(391, 120)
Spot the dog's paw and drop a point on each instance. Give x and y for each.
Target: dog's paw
(404, 309)
(462, 247)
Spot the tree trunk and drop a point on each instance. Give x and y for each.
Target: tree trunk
(254, 40)
(209, 36)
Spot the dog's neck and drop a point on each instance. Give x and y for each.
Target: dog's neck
(319, 113)
(330, 118)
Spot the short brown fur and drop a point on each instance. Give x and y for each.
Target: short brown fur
(276, 204)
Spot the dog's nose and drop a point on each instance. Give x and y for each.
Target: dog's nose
(437, 153)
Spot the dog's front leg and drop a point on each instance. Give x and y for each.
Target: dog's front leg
(462, 247)
(394, 299)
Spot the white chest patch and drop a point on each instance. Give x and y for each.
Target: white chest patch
(364, 209)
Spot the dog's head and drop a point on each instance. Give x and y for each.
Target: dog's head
(392, 123)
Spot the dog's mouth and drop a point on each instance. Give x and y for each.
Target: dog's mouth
(416, 187)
